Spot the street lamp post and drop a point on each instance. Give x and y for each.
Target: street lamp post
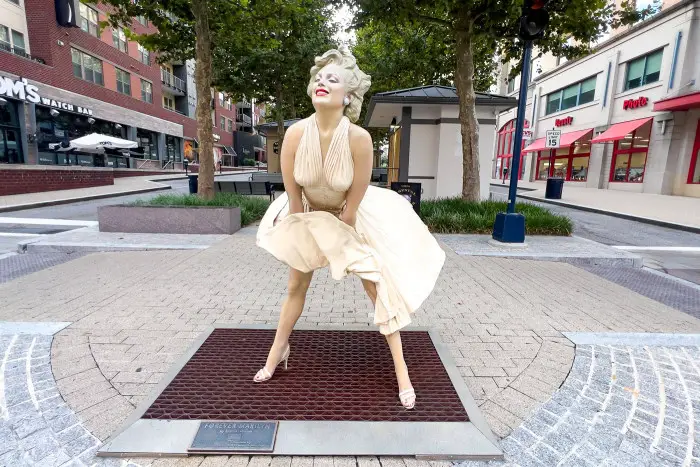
(510, 226)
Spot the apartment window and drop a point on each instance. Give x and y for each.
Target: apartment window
(644, 70)
(577, 94)
(229, 104)
(230, 124)
(87, 67)
(119, 40)
(88, 19)
(144, 55)
(222, 123)
(142, 19)
(511, 85)
(123, 82)
(146, 91)
(221, 99)
(168, 103)
(16, 44)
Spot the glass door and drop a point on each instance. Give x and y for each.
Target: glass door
(10, 147)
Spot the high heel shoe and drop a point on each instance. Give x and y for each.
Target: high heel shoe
(408, 398)
(263, 374)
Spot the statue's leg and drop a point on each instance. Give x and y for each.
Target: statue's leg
(292, 307)
(396, 348)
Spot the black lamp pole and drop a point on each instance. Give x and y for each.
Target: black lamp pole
(510, 226)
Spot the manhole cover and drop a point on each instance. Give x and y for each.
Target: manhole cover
(339, 397)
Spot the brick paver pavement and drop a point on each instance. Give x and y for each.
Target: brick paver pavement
(14, 266)
(621, 406)
(134, 313)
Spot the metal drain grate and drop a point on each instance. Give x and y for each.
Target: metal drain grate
(333, 375)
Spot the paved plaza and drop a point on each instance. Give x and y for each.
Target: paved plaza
(134, 313)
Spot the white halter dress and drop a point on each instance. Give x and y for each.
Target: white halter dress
(389, 245)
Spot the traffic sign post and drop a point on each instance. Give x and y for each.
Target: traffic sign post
(553, 139)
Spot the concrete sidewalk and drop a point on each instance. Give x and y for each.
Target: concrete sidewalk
(679, 212)
(122, 186)
(134, 313)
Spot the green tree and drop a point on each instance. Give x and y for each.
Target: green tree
(471, 24)
(272, 64)
(406, 55)
(188, 29)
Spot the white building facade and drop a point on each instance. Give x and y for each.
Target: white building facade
(629, 113)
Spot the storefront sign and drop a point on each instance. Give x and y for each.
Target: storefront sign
(634, 103)
(563, 121)
(410, 191)
(22, 90)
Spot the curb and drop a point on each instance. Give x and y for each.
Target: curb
(520, 188)
(41, 204)
(645, 220)
(67, 247)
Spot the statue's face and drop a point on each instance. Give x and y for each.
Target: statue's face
(328, 90)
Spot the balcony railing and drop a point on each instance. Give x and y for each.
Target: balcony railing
(243, 118)
(20, 52)
(172, 81)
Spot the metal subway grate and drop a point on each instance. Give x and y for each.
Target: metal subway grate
(333, 375)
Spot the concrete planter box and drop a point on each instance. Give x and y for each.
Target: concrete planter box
(169, 219)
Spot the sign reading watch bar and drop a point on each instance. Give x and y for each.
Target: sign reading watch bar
(22, 90)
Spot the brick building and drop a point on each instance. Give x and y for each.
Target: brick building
(59, 81)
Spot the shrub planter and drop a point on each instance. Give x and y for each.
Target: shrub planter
(169, 219)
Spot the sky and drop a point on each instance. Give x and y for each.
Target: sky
(344, 16)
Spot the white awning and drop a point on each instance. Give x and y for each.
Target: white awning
(95, 142)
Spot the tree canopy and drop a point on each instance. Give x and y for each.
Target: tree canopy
(471, 26)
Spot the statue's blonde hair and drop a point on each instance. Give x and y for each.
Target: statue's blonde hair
(356, 81)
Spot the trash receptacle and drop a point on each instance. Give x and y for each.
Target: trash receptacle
(554, 188)
(193, 183)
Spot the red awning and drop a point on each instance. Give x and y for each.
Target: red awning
(689, 101)
(620, 130)
(567, 139)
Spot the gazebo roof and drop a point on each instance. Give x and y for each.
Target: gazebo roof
(434, 94)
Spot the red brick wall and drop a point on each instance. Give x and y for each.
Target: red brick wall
(121, 173)
(15, 182)
(44, 34)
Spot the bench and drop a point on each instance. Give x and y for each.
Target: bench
(245, 188)
(378, 174)
(275, 179)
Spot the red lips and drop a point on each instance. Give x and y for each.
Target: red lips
(321, 92)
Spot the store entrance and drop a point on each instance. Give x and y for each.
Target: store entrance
(10, 147)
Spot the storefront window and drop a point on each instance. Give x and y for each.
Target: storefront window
(630, 156)
(543, 165)
(570, 162)
(504, 155)
(10, 140)
(694, 173)
(172, 148)
(148, 140)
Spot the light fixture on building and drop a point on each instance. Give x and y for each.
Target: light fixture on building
(54, 113)
(91, 120)
(3, 101)
(118, 126)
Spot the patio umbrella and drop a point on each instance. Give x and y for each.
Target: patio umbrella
(95, 142)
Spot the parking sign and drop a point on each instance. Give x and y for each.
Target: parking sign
(553, 138)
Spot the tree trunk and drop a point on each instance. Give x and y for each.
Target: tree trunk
(292, 109)
(279, 114)
(464, 81)
(203, 78)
